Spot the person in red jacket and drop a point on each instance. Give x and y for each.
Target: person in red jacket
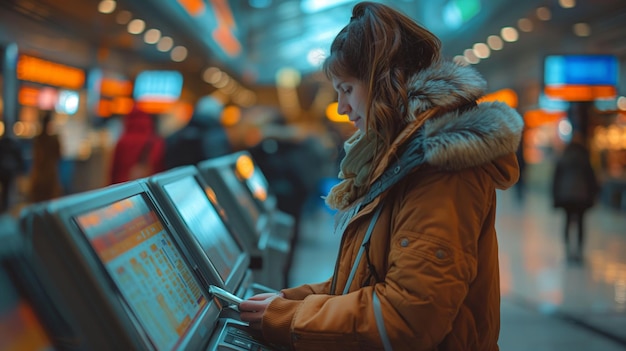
(140, 149)
(418, 260)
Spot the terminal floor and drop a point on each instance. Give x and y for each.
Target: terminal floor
(547, 303)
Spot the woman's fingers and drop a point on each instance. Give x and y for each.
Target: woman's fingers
(262, 296)
(251, 316)
(252, 309)
(253, 305)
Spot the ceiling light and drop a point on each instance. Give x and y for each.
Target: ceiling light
(288, 78)
(470, 56)
(178, 54)
(481, 50)
(525, 25)
(460, 60)
(582, 29)
(223, 81)
(316, 56)
(165, 44)
(136, 26)
(495, 42)
(212, 75)
(509, 34)
(543, 13)
(152, 36)
(123, 17)
(106, 6)
(567, 4)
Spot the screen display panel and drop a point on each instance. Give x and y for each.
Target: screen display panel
(241, 195)
(149, 270)
(204, 222)
(251, 178)
(257, 184)
(20, 328)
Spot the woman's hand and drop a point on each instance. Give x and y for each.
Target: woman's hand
(252, 309)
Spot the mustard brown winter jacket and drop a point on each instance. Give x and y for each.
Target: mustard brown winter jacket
(434, 246)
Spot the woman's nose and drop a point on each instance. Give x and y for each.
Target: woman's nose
(342, 107)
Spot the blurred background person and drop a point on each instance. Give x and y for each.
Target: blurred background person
(202, 138)
(45, 183)
(140, 150)
(574, 189)
(11, 165)
(293, 160)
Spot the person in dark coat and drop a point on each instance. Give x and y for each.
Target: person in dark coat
(45, 181)
(202, 138)
(574, 189)
(139, 147)
(11, 165)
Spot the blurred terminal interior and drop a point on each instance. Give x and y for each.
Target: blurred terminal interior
(90, 61)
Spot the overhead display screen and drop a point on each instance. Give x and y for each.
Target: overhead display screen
(581, 70)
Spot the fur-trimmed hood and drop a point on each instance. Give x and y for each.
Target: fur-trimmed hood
(463, 137)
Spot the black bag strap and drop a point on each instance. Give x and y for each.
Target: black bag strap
(411, 157)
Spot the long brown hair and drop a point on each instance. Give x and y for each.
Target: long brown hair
(382, 48)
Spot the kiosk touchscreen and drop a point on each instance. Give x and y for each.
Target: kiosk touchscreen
(204, 228)
(130, 284)
(243, 191)
(241, 206)
(28, 315)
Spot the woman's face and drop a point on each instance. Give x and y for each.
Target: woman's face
(352, 97)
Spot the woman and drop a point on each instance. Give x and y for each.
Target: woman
(421, 171)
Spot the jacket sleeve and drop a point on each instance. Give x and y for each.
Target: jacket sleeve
(431, 263)
(300, 292)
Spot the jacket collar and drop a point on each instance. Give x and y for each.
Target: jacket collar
(457, 138)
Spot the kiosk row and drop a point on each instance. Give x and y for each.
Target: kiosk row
(131, 266)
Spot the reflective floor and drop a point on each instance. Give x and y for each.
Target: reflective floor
(548, 303)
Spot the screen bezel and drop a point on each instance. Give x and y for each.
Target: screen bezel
(65, 211)
(184, 234)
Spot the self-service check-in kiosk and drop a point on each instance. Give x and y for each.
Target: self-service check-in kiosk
(129, 281)
(243, 191)
(206, 230)
(30, 317)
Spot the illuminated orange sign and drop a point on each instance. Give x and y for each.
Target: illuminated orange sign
(193, 7)
(535, 118)
(28, 96)
(580, 92)
(36, 70)
(156, 106)
(114, 87)
(226, 25)
(508, 96)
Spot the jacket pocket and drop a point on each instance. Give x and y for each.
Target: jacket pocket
(428, 247)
